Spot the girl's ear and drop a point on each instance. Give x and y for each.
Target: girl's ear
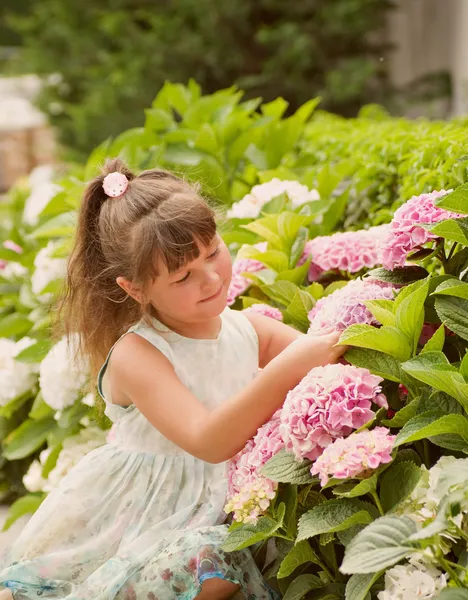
(131, 289)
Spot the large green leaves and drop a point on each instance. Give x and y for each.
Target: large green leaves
(434, 369)
(284, 468)
(379, 546)
(333, 516)
(386, 339)
(456, 201)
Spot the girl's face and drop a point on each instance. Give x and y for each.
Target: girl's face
(196, 292)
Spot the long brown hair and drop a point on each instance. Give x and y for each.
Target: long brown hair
(159, 217)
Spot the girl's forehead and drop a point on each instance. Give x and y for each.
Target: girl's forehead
(202, 250)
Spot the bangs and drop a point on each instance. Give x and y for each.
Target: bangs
(173, 236)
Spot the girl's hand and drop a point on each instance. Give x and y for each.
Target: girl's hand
(315, 350)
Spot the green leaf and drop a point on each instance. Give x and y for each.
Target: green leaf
(378, 363)
(397, 483)
(40, 410)
(248, 535)
(380, 545)
(27, 505)
(409, 317)
(14, 324)
(35, 353)
(284, 468)
(267, 229)
(361, 489)
(62, 225)
(455, 230)
(297, 249)
(51, 460)
(282, 292)
(358, 585)
(27, 438)
(289, 225)
(452, 287)
(333, 286)
(274, 259)
(298, 275)
(332, 516)
(298, 555)
(434, 369)
(452, 594)
(464, 367)
(439, 401)
(403, 415)
(431, 424)
(386, 339)
(399, 276)
(436, 343)
(382, 310)
(301, 586)
(96, 160)
(456, 201)
(299, 309)
(452, 312)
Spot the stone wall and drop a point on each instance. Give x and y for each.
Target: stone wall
(26, 139)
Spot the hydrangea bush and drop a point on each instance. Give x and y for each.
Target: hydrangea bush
(357, 484)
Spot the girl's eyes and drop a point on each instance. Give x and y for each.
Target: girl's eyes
(212, 255)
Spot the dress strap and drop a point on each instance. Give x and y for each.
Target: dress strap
(103, 369)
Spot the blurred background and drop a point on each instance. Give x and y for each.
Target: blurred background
(73, 74)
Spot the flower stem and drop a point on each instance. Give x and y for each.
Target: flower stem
(450, 571)
(376, 498)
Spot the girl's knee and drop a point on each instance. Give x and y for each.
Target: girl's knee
(219, 589)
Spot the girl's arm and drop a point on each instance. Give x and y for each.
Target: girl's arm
(146, 378)
(273, 336)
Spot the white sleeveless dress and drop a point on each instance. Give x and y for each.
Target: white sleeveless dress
(140, 518)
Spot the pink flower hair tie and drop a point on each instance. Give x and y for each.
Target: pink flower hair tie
(115, 184)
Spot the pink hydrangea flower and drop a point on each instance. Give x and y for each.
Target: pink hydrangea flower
(249, 493)
(350, 251)
(346, 306)
(405, 235)
(10, 245)
(329, 403)
(266, 310)
(352, 456)
(239, 284)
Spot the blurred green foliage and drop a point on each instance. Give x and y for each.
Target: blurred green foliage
(109, 58)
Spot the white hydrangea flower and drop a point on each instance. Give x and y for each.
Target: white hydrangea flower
(424, 499)
(33, 480)
(413, 580)
(74, 449)
(16, 378)
(61, 377)
(42, 191)
(47, 269)
(251, 205)
(13, 270)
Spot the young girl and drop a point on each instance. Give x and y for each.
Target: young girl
(141, 518)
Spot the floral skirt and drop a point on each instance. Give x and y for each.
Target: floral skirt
(178, 572)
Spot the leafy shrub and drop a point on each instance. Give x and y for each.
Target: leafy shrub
(382, 485)
(112, 57)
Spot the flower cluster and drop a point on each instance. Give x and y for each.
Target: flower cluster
(252, 500)
(239, 284)
(415, 579)
(74, 448)
(42, 191)
(405, 234)
(352, 456)
(47, 269)
(266, 310)
(350, 251)
(16, 377)
(249, 493)
(424, 501)
(329, 403)
(346, 306)
(61, 376)
(251, 205)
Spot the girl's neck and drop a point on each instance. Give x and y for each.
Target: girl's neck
(206, 330)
